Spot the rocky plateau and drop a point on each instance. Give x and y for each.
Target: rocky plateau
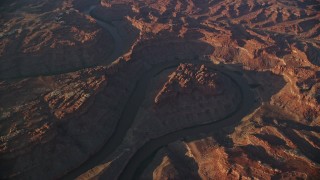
(170, 89)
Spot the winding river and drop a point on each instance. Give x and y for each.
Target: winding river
(144, 154)
(118, 40)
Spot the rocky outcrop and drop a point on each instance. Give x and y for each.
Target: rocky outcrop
(188, 78)
(72, 96)
(37, 104)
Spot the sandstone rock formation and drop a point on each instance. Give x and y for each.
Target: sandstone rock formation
(187, 79)
(74, 73)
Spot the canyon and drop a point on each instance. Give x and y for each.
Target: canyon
(172, 89)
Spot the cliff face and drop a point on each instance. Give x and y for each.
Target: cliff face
(68, 77)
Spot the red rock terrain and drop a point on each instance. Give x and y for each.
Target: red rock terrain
(49, 37)
(74, 74)
(188, 79)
